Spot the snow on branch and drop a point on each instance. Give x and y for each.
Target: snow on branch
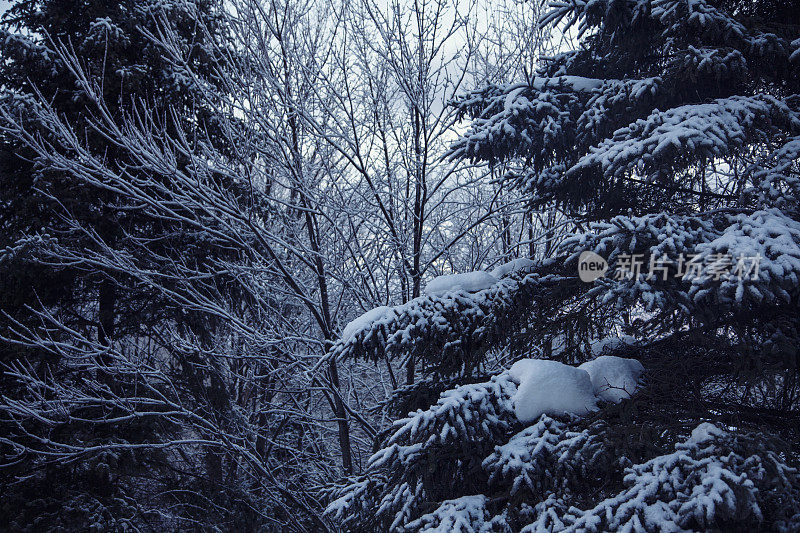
(448, 331)
(680, 21)
(774, 179)
(686, 133)
(401, 475)
(510, 121)
(769, 237)
(462, 515)
(547, 455)
(713, 478)
(533, 119)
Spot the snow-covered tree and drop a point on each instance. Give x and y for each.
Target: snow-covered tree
(669, 135)
(55, 230)
(235, 249)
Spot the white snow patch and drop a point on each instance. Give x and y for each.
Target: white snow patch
(550, 387)
(522, 263)
(357, 324)
(467, 513)
(795, 56)
(611, 343)
(467, 281)
(613, 378)
(576, 83)
(703, 432)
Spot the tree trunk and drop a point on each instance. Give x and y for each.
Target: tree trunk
(106, 301)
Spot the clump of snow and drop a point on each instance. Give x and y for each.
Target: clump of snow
(522, 263)
(704, 432)
(795, 56)
(576, 83)
(467, 281)
(550, 387)
(364, 320)
(467, 513)
(613, 378)
(611, 343)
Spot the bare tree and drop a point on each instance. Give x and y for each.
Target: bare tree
(333, 194)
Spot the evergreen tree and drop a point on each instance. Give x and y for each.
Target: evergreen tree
(670, 135)
(53, 224)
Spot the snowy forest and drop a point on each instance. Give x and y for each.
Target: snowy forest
(400, 265)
